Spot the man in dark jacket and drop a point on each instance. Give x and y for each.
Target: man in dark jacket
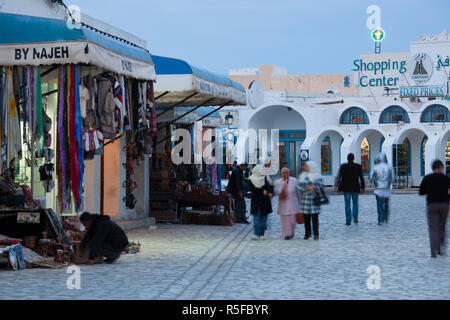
(435, 186)
(103, 237)
(236, 188)
(350, 180)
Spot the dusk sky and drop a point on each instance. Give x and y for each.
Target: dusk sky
(306, 37)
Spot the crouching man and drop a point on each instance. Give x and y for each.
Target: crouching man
(104, 237)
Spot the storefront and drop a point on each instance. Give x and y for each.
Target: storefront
(184, 95)
(78, 111)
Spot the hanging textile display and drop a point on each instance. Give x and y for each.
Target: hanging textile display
(3, 104)
(39, 113)
(153, 124)
(60, 154)
(78, 136)
(119, 110)
(12, 125)
(24, 103)
(70, 153)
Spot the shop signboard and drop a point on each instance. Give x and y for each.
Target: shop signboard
(421, 68)
(424, 91)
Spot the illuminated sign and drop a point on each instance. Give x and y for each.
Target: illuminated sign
(378, 34)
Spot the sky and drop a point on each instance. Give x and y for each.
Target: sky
(305, 36)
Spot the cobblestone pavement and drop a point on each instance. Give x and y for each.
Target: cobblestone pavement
(217, 262)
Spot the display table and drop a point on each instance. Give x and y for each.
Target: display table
(190, 199)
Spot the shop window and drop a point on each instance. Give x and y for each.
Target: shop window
(354, 115)
(435, 113)
(365, 156)
(422, 153)
(394, 114)
(326, 161)
(402, 158)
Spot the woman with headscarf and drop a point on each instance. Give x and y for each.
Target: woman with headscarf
(381, 178)
(309, 185)
(261, 205)
(288, 205)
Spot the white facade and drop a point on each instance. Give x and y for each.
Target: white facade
(320, 115)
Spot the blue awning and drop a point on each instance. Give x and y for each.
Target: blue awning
(177, 80)
(44, 41)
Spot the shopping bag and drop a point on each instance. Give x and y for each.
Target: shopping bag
(300, 218)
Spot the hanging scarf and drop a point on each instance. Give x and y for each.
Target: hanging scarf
(257, 178)
(39, 112)
(79, 138)
(60, 155)
(3, 107)
(73, 148)
(30, 100)
(66, 133)
(12, 129)
(127, 117)
(118, 98)
(24, 102)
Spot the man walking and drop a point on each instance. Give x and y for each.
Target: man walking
(435, 186)
(350, 180)
(236, 188)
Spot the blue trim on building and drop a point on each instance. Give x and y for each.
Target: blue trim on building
(388, 113)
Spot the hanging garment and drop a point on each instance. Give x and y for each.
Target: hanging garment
(118, 98)
(39, 112)
(84, 98)
(3, 107)
(60, 151)
(153, 123)
(106, 107)
(79, 138)
(24, 103)
(73, 149)
(30, 101)
(13, 139)
(67, 134)
(126, 98)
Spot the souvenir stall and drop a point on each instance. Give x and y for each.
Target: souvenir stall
(65, 95)
(189, 193)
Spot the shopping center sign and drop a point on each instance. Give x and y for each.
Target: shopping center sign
(424, 91)
(374, 72)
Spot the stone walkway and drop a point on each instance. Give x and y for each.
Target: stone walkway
(215, 262)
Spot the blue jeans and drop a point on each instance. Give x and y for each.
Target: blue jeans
(348, 211)
(259, 223)
(382, 208)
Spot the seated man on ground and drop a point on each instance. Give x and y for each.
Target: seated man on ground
(103, 237)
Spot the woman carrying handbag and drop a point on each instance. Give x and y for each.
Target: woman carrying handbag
(312, 196)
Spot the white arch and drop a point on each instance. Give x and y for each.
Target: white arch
(298, 109)
(323, 133)
(404, 132)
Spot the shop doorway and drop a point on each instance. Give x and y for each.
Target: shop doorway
(290, 142)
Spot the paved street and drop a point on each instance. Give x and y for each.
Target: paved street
(215, 262)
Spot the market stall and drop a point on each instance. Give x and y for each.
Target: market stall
(184, 95)
(67, 97)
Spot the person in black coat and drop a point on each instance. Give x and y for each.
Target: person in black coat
(350, 180)
(435, 186)
(104, 237)
(236, 188)
(260, 205)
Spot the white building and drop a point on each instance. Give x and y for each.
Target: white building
(394, 102)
